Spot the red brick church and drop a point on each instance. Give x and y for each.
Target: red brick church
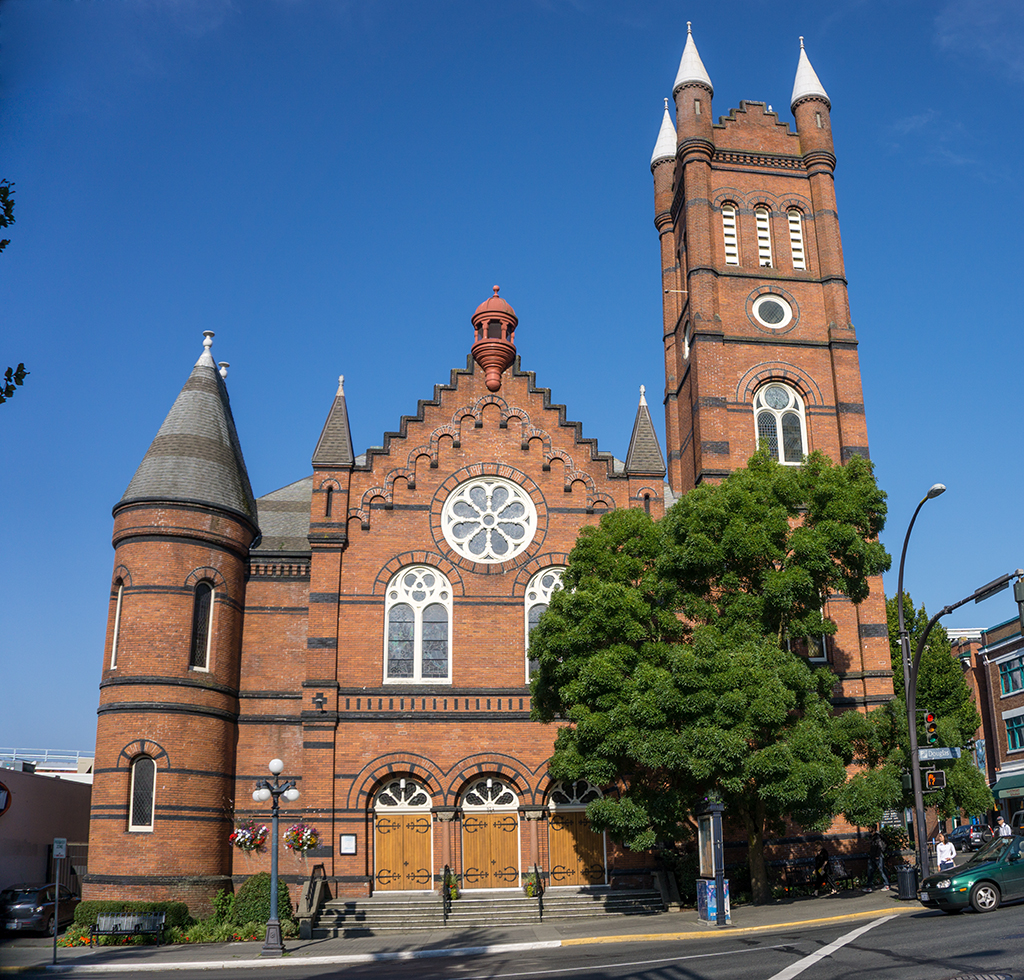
(368, 624)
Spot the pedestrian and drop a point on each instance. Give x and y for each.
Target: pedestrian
(822, 874)
(945, 852)
(876, 862)
(1003, 828)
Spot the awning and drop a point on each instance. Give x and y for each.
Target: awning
(1009, 786)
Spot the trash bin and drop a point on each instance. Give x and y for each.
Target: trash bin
(906, 878)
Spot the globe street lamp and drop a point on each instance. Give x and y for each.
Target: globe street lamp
(910, 687)
(272, 945)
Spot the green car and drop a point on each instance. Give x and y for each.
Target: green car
(994, 874)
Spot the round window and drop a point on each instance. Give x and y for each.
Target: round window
(489, 519)
(771, 310)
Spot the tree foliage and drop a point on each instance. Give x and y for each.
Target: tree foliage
(13, 377)
(942, 690)
(668, 653)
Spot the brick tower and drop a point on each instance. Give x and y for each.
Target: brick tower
(759, 345)
(167, 728)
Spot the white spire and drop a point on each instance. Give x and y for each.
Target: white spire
(665, 147)
(691, 68)
(643, 389)
(806, 83)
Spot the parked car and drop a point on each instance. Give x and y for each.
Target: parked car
(30, 907)
(970, 836)
(992, 876)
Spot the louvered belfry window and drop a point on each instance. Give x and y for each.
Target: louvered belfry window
(796, 239)
(762, 220)
(732, 246)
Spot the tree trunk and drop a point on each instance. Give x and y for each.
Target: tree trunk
(760, 889)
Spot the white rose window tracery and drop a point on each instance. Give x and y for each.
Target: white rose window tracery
(489, 519)
(576, 794)
(402, 794)
(490, 794)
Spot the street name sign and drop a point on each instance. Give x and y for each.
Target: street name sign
(927, 755)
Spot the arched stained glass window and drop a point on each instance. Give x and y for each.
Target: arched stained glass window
(417, 630)
(539, 590)
(142, 794)
(202, 626)
(780, 423)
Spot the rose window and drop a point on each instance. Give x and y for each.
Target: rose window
(489, 519)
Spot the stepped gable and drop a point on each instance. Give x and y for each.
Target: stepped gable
(284, 518)
(615, 467)
(753, 128)
(196, 456)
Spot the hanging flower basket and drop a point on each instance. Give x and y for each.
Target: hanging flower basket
(250, 836)
(301, 838)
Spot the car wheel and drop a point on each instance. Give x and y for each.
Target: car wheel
(50, 926)
(984, 897)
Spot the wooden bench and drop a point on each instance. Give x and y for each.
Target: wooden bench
(797, 874)
(145, 924)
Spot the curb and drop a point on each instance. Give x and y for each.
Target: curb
(416, 954)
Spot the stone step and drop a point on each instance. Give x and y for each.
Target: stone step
(341, 917)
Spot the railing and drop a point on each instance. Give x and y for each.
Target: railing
(311, 899)
(48, 758)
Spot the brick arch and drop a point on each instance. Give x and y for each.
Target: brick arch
(399, 473)
(558, 559)
(578, 476)
(396, 564)
(766, 371)
(800, 203)
(761, 198)
(376, 771)
(599, 497)
(531, 432)
(420, 452)
(728, 195)
(452, 429)
(121, 572)
(508, 768)
(374, 493)
(205, 573)
(143, 746)
(329, 483)
(551, 454)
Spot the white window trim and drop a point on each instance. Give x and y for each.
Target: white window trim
(537, 595)
(730, 234)
(763, 224)
(117, 626)
(1013, 712)
(488, 521)
(205, 667)
(798, 407)
(442, 597)
(796, 238)
(782, 302)
(483, 787)
(132, 826)
(407, 789)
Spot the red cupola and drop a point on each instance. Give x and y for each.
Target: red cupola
(494, 325)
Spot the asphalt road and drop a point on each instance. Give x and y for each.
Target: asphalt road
(921, 946)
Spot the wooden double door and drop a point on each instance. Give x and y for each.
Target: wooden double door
(490, 850)
(403, 852)
(576, 853)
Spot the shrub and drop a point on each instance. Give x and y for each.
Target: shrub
(223, 903)
(176, 913)
(252, 900)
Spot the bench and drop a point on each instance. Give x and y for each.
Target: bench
(797, 874)
(146, 924)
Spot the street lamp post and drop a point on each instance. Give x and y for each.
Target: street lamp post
(265, 790)
(910, 687)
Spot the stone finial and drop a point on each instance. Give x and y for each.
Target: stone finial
(643, 391)
(223, 365)
(341, 386)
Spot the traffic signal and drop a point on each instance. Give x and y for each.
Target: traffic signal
(931, 728)
(934, 779)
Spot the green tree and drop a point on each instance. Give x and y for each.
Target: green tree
(13, 377)
(668, 653)
(942, 690)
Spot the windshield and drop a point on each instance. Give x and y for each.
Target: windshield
(14, 894)
(992, 851)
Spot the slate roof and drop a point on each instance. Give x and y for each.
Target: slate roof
(334, 448)
(665, 147)
(196, 455)
(807, 84)
(644, 454)
(284, 518)
(691, 68)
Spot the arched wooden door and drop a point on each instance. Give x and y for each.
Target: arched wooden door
(402, 837)
(577, 855)
(490, 835)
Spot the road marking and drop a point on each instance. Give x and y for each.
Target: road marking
(800, 965)
(615, 966)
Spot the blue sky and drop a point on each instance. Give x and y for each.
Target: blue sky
(334, 186)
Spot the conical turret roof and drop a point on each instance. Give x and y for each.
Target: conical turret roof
(807, 85)
(665, 147)
(196, 456)
(334, 448)
(691, 68)
(644, 454)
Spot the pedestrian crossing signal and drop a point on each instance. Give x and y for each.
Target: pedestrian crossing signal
(935, 779)
(931, 729)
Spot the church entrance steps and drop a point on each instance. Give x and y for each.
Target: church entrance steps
(341, 917)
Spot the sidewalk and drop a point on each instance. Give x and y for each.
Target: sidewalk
(24, 955)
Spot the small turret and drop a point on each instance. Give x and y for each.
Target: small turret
(494, 326)
(810, 104)
(692, 92)
(665, 146)
(644, 455)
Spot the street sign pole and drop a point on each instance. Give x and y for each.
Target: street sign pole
(60, 851)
